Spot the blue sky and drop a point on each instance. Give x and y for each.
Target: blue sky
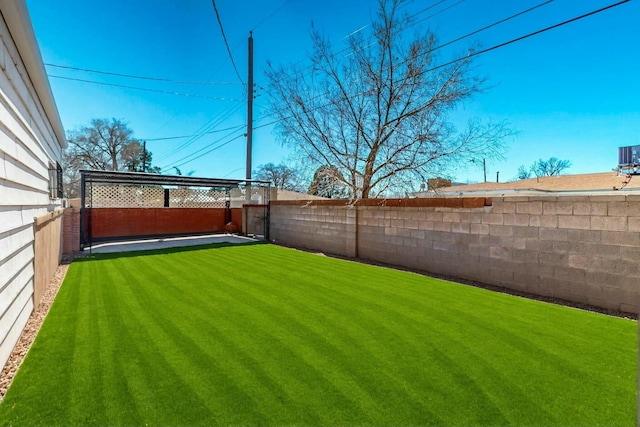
(572, 92)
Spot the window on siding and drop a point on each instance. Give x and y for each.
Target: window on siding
(55, 181)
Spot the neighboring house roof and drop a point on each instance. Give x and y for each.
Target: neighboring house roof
(18, 21)
(605, 181)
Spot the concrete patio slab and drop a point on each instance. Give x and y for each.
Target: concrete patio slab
(165, 242)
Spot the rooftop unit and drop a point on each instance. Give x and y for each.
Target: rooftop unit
(629, 159)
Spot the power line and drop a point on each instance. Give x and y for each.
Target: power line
(210, 151)
(472, 54)
(435, 68)
(212, 123)
(425, 9)
(262, 21)
(434, 14)
(286, 2)
(186, 159)
(146, 89)
(491, 25)
(166, 138)
(277, 121)
(405, 3)
(416, 22)
(407, 20)
(501, 21)
(199, 134)
(235, 170)
(469, 34)
(131, 76)
(224, 37)
(535, 33)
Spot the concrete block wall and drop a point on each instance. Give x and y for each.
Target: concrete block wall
(254, 219)
(327, 226)
(584, 249)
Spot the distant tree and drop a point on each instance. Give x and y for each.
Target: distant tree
(71, 166)
(100, 146)
(103, 145)
(379, 110)
(551, 167)
(138, 159)
(328, 182)
(283, 177)
(523, 172)
(179, 172)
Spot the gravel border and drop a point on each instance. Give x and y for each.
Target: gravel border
(31, 329)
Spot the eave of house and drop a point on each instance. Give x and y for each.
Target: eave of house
(18, 21)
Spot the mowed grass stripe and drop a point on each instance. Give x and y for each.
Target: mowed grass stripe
(259, 334)
(198, 317)
(160, 362)
(308, 335)
(233, 340)
(224, 353)
(274, 333)
(409, 326)
(510, 337)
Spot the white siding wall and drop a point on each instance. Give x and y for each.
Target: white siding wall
(28, 143)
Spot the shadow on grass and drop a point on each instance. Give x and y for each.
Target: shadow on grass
(162, 251)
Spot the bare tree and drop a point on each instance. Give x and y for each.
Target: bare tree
(281, 176)
(104, 145)
(100, 145)
(524, 173)
(379, 113)
(71, 175)
(551, 167)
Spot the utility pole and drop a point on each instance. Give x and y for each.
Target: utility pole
(144, 156)
(250, 107)
(484, 166)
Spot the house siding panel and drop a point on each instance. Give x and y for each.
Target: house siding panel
(10, 218)
(13, 333)
(29, 143)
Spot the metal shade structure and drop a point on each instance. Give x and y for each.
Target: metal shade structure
(113, 190)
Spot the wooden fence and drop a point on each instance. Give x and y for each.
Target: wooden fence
(48, 251)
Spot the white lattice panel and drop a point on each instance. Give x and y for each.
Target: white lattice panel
(197, 198)
(128, 196)
(123, 196)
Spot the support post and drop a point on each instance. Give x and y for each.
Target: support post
(90, 227)
(83, 195)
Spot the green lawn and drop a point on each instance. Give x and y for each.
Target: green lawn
(265, 335)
